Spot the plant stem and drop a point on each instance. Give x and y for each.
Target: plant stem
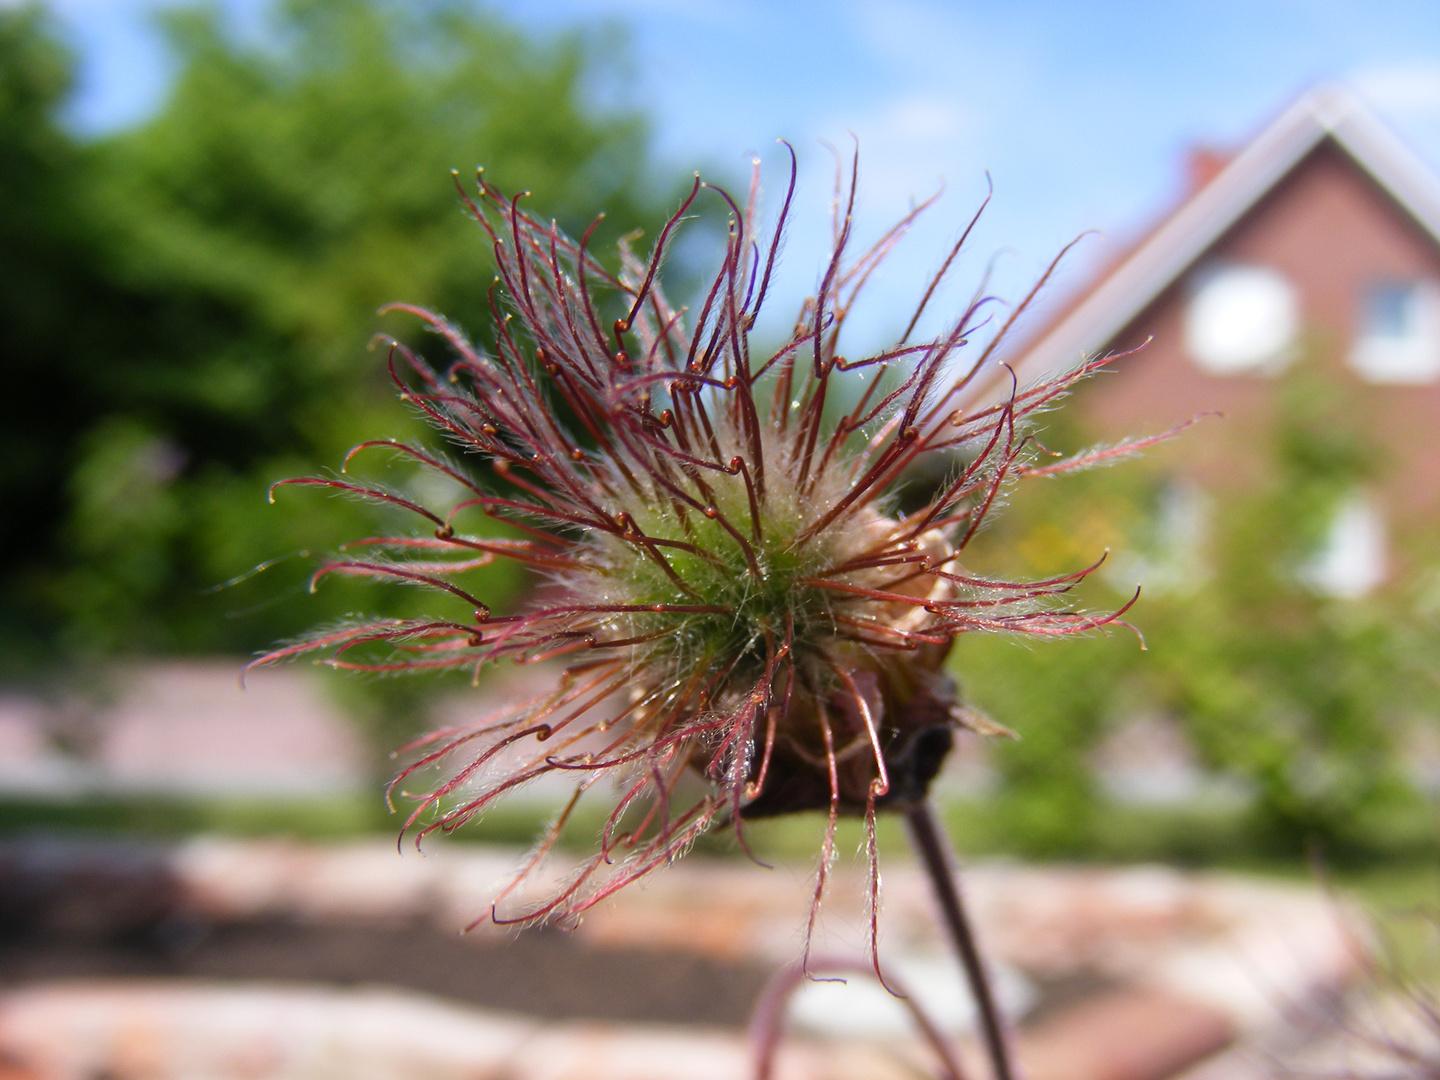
(934, 851)
(768, 1022)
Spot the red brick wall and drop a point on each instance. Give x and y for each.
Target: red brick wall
(1331, 231)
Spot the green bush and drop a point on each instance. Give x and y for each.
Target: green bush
(1302, 700)
(193, 298)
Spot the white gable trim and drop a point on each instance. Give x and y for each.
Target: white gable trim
(1127, 290)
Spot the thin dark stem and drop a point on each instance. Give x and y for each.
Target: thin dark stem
(934, 851)
(768, 1022)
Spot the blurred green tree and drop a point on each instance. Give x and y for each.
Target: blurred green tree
(56, 304)
(243, 240)
(1307, 700)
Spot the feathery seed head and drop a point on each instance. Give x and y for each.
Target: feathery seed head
(749, 627)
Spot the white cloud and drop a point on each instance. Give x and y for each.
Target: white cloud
(708, 12)
(918, 35)
(909, 143)
(926, 117)
(1409, 88)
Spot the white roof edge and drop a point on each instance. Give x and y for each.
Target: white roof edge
(1393, 164)
(1328, 111)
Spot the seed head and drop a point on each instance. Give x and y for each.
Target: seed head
(748, 624)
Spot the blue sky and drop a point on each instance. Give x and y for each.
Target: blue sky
(1080, 112)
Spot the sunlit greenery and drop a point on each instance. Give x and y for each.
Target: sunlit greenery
(1303, 704)
(187, 308)
(188, 303)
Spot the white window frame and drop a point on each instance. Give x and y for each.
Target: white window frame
(1409, 357)
(1241, 319)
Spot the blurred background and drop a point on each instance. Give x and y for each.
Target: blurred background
(203, 207)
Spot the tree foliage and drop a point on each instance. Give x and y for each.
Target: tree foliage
(50, 278)
(1304, 702)
(189, 301)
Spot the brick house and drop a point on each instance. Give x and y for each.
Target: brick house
(1317, 244)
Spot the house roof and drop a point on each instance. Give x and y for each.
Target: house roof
(1330, 112)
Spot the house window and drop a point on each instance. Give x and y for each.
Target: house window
(1399, 337)
(1351, 562)
(1241, 319)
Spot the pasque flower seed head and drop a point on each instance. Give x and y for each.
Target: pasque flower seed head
(748, 625)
